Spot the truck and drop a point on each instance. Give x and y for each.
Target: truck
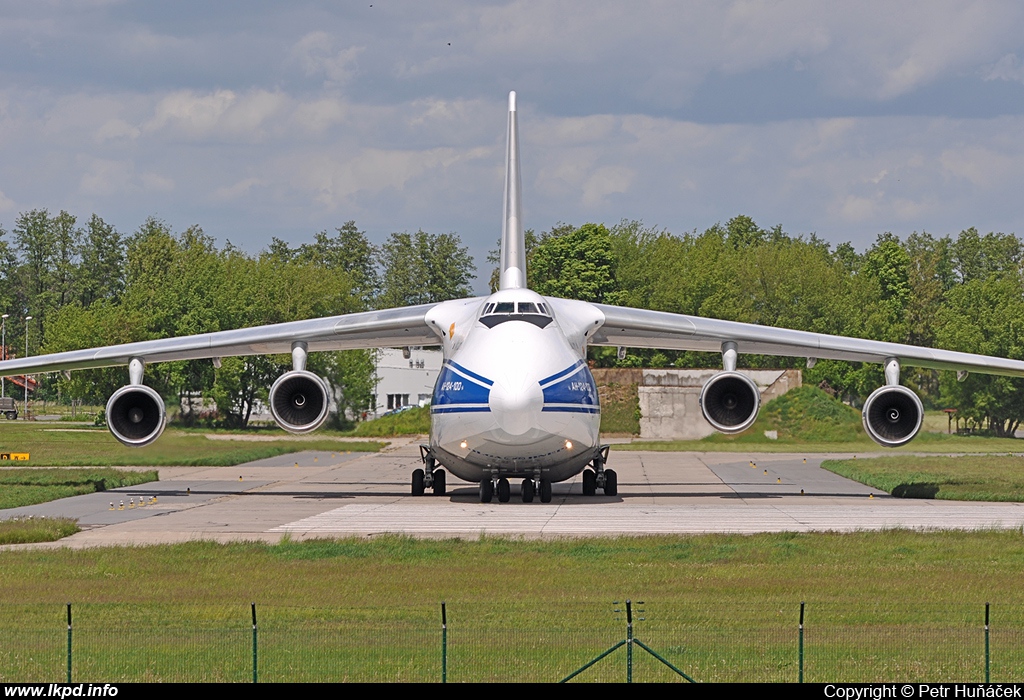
(9, 408)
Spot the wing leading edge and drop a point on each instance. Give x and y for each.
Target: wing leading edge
(640, 328)
(370, 329)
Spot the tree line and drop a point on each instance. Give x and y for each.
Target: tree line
(963, 292)
(90, 285)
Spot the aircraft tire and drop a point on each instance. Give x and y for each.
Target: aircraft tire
(439, 485)
(417, 482)
(486, 491)
(504, 490)
(529, 490)
(589, 483)
(545, 491)
(611, 483)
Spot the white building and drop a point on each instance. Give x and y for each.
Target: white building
(405, 377)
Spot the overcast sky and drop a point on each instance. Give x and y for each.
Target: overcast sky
(257, 119)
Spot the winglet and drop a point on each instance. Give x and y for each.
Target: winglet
(513, 243)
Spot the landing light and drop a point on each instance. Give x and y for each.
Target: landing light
(463, 444)
(568, 444)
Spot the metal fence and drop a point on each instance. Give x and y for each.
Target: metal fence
(479, 642)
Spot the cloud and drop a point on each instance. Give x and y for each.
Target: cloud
(1006, 68)
(317, 55)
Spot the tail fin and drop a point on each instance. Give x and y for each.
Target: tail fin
(513, 243)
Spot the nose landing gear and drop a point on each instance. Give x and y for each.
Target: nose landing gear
(599, 477)
(430, 477)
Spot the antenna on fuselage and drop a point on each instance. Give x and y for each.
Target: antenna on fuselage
(513, 243)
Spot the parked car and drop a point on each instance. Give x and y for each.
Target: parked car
(9, 408)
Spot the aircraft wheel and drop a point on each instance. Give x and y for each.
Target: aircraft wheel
(417, 482)
(589, 483)
(486, 491)
(528, 490)
(504, 491)
(611, 483)
(439, 486)
(545, 491)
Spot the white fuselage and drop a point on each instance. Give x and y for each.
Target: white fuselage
(515, 396)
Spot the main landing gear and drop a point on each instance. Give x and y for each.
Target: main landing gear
(430, 477)
(530, 489)
(599, 477)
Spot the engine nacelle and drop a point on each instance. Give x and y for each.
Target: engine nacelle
(136, 415)
(729, 402)
(892, 415)
(299, 401)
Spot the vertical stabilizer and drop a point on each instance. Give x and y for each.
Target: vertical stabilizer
(513, 244)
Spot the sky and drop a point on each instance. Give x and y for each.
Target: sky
(258, 119)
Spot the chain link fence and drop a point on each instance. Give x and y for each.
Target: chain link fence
(502, 642)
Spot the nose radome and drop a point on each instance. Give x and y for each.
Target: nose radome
(516, 404)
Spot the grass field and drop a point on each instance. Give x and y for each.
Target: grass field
(25, 487)
(962, 478)
(57, 445)
(924, 442)
(28, 530)
(880, 606)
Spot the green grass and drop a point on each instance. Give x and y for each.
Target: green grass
(29, 530)
(924, 442)
(414, 421)
(56, 445)
(620, 409)
(963, 478)
(25, 487)
(880, 606)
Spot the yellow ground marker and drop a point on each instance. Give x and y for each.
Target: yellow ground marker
(14, 456)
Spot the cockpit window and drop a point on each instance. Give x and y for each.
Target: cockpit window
(503, 311)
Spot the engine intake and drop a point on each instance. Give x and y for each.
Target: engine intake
(729, 402)
(136, 415)
(299, 401)
(892, 415)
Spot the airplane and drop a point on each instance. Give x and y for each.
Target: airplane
(515, 398)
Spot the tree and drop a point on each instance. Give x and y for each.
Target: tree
(103, 259)
(985, 316)
(351, 252)
(424, 268)
(575, 264)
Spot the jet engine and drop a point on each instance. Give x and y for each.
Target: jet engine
(892, 415)
(135, 415)
(299, 401)
(729, 402)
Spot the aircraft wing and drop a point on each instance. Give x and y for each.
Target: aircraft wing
(640, 328)
(370, 329)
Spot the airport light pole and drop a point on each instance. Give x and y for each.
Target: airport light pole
(3, 350)
(25, 376)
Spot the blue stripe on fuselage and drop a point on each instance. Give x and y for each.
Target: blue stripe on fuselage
(574, 386)
(456, 385)
(557, 375)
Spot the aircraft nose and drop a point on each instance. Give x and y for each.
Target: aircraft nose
(516, 404)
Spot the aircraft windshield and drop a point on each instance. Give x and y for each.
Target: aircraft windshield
(528, 311)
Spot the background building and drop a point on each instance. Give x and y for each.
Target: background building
(405, 377)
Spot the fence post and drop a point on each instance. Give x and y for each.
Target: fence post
(255, 655)
(800, 653)
(629, 641)
(987, 658)
(444, 644)
(69, 642)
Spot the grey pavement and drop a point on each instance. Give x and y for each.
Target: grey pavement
(323, 494)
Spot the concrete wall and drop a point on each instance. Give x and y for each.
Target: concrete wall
(669, 407)
(668, 398)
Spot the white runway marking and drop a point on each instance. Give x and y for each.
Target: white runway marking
(598, 519)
